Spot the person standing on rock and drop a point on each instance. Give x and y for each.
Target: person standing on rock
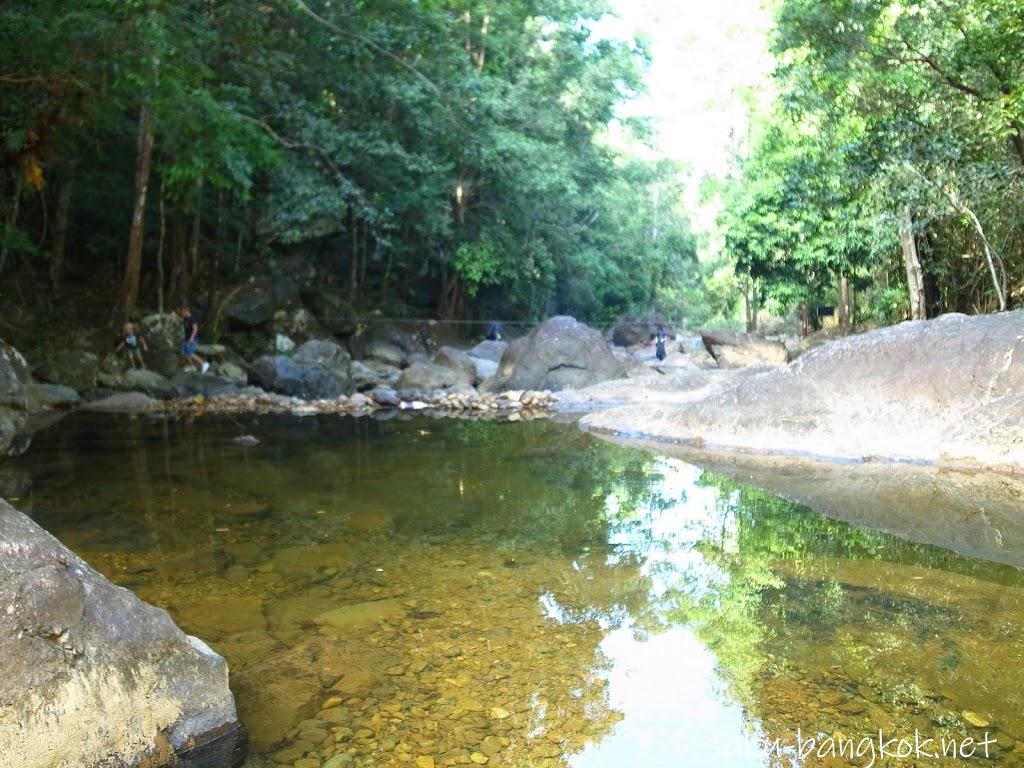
(133, 344)
(188, 347)
(659, 343)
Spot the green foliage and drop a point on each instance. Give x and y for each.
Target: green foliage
(399, 144)
(886, 106)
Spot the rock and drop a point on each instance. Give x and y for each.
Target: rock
(424, 761)
(72, 368)
(948, 390)
(340, 760)
(230, 371)
(283, 344)
(386, 397)
(122, 402)
(333, 312)
(364, 377)
(14, 374)
(298, 324)
(212, 351)
(973, 718)
(385, 352)
(150, 382)
(489, 350)
(192, 383)
(163, 336)
(457, 360)
(91, 675)
(254, 305)
(736, 350)
(410, 342)
(41, 396)
(428, 376)
(633, 330)
(558, 354)
(485, 369)
(318, 370)
(479, 758)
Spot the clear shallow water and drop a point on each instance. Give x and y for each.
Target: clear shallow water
(409, 591)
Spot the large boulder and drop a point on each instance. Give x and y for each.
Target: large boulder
(148, 382)
(738, 350)
(46, 396)
(457, 360)
(489, 350)
(92, 676)
(318, 370)
(948, 390)
(633, 330)
(163, 334)
(409, 341)
(73, 368)
(254, 305)
(14, 378)
(558, 354)
(333, 312)
(429, 376)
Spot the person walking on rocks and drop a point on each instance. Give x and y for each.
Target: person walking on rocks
(188, 347)
(659, 343)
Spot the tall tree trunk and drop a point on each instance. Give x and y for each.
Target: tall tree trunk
(845, 316)
(353, 256)
(160, 253)
(133, 259)
(915, 276)
(60, 230)
(750, 304)
(12, 222)
(214, 273)
(179, 260)
(193, 243)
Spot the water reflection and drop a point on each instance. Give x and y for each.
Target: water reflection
(441, 593)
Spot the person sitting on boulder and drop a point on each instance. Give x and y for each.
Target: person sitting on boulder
(494, 331)
(659, 343)
(133, 344)
(188, 347)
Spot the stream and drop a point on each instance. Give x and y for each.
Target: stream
(443, 592)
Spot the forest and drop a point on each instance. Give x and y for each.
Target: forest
(451, 159)
(886, 178)
(443, 158)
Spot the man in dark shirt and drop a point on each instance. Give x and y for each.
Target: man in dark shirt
(188, 347)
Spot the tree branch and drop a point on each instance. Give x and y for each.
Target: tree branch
(305, 9)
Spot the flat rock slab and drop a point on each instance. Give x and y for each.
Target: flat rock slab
(948, 391)
(92, 676)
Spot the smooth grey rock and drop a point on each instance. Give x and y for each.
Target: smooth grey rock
(92, 676)
(489, 350)
(150, 382)
(192, 383)
(558, 354)
(318, 370)
(736, 350)
(364, 377)
(428, 376)
(948, 391)
(457, 360)
(485, 369)
(385, 352)
(51, 396)
(386, 397)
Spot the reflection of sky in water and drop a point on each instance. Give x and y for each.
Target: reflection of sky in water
(677, 711)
